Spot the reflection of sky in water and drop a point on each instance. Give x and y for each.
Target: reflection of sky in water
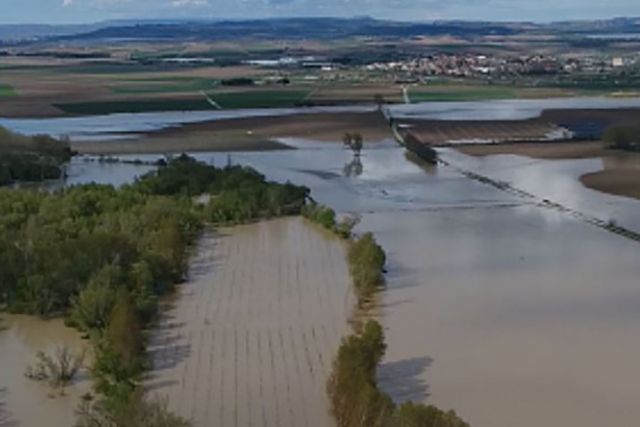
(511, 109)
(511, 301)
(556, 180)
(117, 126)
(389, 182)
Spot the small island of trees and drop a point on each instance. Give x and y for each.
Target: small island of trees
(26, 158)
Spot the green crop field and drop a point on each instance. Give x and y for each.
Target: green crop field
(166, 86)
(259, 99)
(6, 90)
(227, 100)
(472, 93)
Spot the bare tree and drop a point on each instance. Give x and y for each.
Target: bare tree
(57, 370)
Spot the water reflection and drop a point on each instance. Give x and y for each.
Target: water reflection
(517, 306)
(354, 168)
(124, 126)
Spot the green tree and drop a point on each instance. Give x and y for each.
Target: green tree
(94, 305)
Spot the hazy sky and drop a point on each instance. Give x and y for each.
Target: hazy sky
(73, 11)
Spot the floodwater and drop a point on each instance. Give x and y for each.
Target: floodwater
(505, 109)
(250, 337)
(125, 126)
(497, 306)
(26, 403)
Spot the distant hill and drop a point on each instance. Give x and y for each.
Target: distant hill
(299, 28)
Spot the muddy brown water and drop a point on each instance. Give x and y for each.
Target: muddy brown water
(511, 313)
(250, 337)
(26, 403)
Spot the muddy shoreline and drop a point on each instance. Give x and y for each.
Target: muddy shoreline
(619, 176)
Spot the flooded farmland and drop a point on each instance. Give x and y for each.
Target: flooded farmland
(498, 306)
(23, 402)
(250, 337)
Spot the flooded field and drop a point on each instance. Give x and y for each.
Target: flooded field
(249, 339)
(498, 306)
(23, 402)
(509, 109)
(123, 126)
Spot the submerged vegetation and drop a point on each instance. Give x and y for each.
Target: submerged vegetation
(31, 158)
(102, 257)
(57, 370)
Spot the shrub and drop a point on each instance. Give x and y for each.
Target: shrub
(57, 370)
(355, 398)
(137, 411)
(366, 264)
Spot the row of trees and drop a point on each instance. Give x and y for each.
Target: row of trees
(36, 158)
(623, 137)
(366, 264)
(355, 398)
(326, 217)
(101, 257)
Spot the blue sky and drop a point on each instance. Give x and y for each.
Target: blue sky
(82, 11)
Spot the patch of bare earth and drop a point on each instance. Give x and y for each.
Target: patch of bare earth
(256, 133)
(250, 337)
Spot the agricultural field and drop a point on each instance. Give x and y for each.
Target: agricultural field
(452, 91)
(443, 133)
(226, 100)
(249, 339)
(6, 91)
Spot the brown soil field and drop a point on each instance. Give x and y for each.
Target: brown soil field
(249, 339)
(605, 117)
(443, 133)
(541, 150)
(38, 89)
(620, 176)
(247, 134)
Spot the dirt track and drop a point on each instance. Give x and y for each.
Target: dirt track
(250, 338)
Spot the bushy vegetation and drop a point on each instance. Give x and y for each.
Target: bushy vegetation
(102, 256)
(366, 264)
(326, 217)
(238, 194)
(623, 137)
(24, 158)
(356, 400)
(137, 411)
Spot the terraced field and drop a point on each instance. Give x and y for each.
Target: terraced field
(249, 339)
